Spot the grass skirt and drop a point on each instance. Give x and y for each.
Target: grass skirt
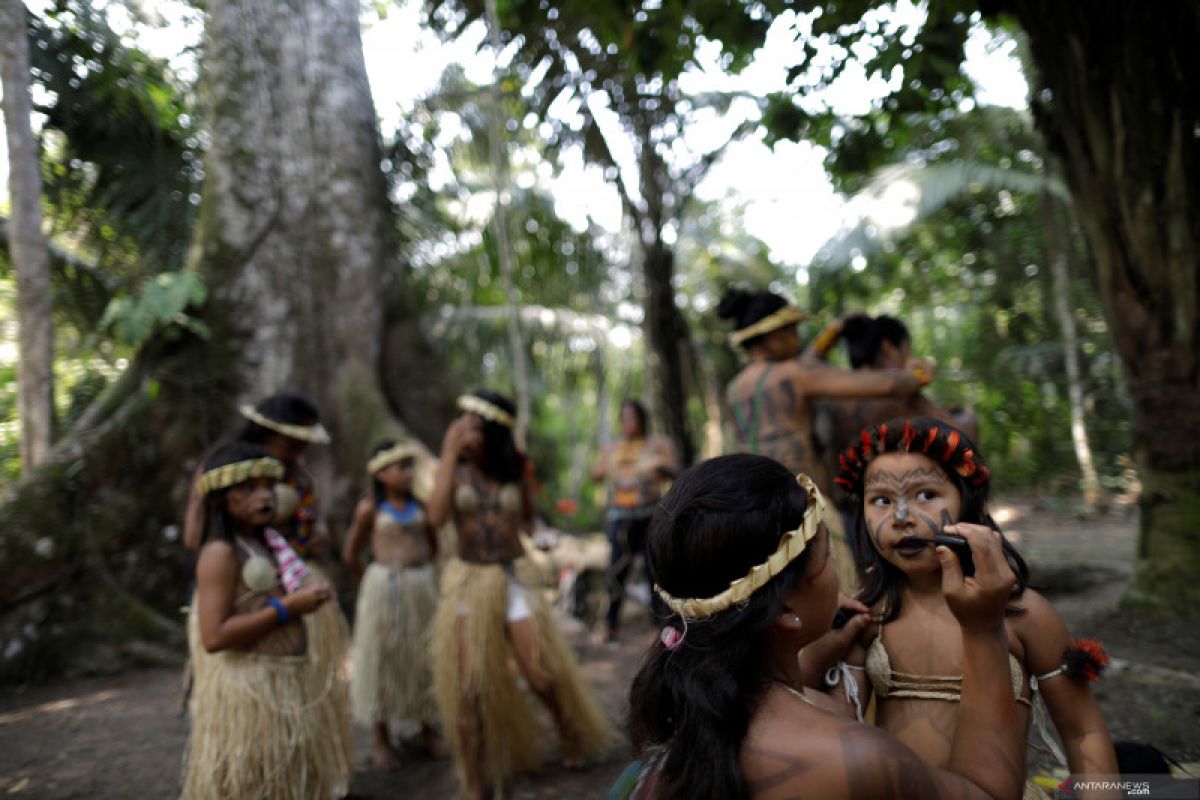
(391, 677)
(506, 740)
(262, 727)
(329, 644)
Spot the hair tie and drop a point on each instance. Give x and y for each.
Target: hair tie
(671, 637)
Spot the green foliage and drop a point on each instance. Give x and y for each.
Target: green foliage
(160, 306)
(921, 64)
(121, 164)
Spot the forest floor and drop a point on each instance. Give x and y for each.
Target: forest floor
(123, 735)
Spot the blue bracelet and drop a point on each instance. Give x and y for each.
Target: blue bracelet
(280, 610)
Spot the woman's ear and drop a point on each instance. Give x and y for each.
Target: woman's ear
(789, 618)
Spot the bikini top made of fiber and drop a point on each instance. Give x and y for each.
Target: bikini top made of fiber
(892, 683)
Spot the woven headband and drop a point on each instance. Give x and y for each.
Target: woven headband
(790, 547)
(395, 453)
(938, 442)
(788, 315)
(316, 434)
(489, 411)
(227, 475)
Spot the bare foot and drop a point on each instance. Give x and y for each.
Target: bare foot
(384, 758)
(433, 743)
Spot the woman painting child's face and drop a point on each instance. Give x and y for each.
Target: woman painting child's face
(907, 500)
(252, 503)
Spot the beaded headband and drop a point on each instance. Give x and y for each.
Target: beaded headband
(395, 453)
(316, 434)
(938, 441)
(489, 411)
(790, 547)
(788, 315)
(227, 475)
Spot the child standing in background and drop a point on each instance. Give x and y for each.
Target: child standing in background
(397, 598)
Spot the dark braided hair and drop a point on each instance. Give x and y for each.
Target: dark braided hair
(720, 518)
(951, 450)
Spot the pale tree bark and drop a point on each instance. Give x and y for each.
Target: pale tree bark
(1119, 105)
(292, 238)
(1057, 248)
(27, 245)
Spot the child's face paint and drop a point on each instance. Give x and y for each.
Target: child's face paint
(907, 499)
(252, 503)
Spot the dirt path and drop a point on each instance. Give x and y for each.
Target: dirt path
(123, 736)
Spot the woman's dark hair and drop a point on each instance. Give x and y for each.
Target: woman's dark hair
(719, 519)
(951, 450)
(640, 411)
(865, 335)
(746, 308)
(501, 458)
(217, 526)
(289, 407)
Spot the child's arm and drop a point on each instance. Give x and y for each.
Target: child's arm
(216, 585)
(1072, 706)
(360, 529)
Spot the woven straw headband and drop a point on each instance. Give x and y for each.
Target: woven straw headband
(489, 411)
(385, 458)
(791, 545)
(227, 475)
(788, 315)
(316, 434)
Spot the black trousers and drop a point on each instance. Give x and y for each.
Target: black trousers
(627, 539)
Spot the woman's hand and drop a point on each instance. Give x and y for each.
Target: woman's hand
(462, 434)
(977, 602)
(308, 599)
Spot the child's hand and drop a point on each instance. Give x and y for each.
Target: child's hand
(977, 602)
(308, 599)
(820, 655)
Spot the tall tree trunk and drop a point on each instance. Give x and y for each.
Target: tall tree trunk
(1057, 245)
(1119, 105)
(27, 246)
(666, 336)
(293, 232)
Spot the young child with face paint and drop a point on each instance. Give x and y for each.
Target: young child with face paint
(397, 598)
(261, 708)
(915, 479)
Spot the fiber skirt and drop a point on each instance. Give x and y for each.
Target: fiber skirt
(262, 727)
(476, 677)
(391, 676)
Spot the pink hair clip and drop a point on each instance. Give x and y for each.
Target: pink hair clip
(671, 637)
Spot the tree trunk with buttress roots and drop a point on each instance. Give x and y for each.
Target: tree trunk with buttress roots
(292, 239)
(1119, 104)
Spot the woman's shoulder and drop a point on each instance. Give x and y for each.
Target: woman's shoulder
(793, 749)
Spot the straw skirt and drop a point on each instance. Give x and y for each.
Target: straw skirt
(391, 677)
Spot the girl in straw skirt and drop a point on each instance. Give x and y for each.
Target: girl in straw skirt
(487, 621)
(262, 703)
(396, 601)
